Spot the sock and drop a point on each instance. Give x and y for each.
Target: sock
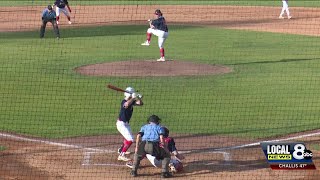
(69, 18)
(149, 37)
(162, 52)
(126, 146)
(57, 18)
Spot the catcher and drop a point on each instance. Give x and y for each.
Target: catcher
(175, 164)
(150, 140)
(49, 15)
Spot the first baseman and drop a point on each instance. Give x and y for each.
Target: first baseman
(285, 7)
(61, 6)
(150, 140)
(159, 28)
(131, 98)
(48, 15)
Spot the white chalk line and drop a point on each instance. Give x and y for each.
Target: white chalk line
(87, 157)
(89, 151)
(54, 143)
(258, 143)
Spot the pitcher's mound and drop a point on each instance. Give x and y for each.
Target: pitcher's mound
(151, 69)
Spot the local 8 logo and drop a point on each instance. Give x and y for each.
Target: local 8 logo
(287, 155)
(301, 152)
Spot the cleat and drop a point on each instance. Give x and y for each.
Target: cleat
(129, 164)
(123, 158)
(70, 22)
(281, 17)
(145, 43)
(161, 59)
(133, 173)
(289, 17)
(126, 153)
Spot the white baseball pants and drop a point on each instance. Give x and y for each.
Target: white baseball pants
(64, 10)
(285, 7)
(125, 130)
(162, 36)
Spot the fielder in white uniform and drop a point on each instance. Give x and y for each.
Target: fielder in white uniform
(285, 8)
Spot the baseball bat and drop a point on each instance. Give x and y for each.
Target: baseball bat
(117, 89)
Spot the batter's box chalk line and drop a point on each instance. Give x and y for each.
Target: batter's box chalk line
(87, 158)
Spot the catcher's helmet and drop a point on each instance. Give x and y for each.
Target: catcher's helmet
(154, 119)
(158, 12)
(178, 166)
(49, 7)
(166, 132)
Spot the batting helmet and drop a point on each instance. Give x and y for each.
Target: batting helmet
(49, 7)
(154, 119)
(158, 12)
(129, 91)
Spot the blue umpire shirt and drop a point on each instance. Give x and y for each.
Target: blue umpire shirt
(151, 132)
(48, 15)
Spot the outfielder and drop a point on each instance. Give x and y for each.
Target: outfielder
(175, 164)
(150, 140)
(61, 6)
(159, 28)
(285, 7)
(131, 98)
(48, 15)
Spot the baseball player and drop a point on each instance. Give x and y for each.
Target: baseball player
(131, 98)
(150, 140)
(285, 7)
(49, 15)
(61, 6)
(175, 164)
(159, 28)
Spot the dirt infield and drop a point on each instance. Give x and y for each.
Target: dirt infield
(95, 157)
(305, 21)
(208, 157)
(150, 68)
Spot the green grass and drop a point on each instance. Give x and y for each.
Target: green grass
(293, 3)
(314, 147)
(272, 91)
(2, 148)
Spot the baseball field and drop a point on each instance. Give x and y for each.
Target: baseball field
(235, 75)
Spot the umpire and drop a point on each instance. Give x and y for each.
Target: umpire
(49, 15)
(150, 140)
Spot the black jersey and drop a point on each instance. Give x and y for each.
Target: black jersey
(61, 3)
(160, 24)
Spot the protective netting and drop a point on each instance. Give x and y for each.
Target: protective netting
(226, 76)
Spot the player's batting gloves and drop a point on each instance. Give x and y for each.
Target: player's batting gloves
(134, 95)
(139, 96)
